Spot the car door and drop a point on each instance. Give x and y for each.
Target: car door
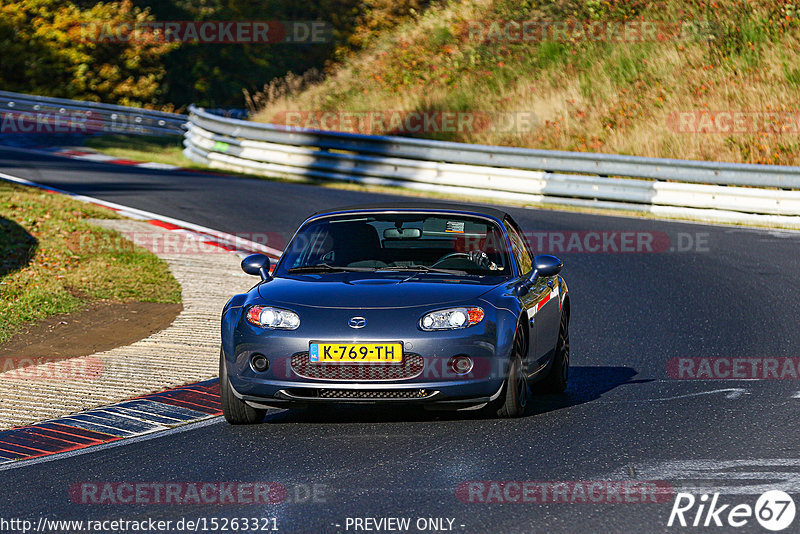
(547, 318)
(541, 301)
(527, 295)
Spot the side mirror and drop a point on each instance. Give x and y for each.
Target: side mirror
(257, 265)
(546, 266)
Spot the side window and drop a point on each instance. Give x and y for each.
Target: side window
(519, 249)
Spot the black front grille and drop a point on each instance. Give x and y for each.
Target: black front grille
(410, 367)
(310, 393)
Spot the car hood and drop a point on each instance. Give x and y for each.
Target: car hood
(354, 290)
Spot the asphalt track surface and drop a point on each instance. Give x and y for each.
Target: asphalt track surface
(621, 418)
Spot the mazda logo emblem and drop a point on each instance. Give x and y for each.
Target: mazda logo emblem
(357, 322)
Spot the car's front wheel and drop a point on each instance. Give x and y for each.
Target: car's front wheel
(515, 396)
(235, 410)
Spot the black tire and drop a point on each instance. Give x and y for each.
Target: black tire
(235, 410)
(515, 394)
(558, 375)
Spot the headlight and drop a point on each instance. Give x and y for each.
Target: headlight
(451, 319)
(268, 317)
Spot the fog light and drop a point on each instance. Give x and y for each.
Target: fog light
(460, 365)
(259, 363)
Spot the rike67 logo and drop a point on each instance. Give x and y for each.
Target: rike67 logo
(774, 510)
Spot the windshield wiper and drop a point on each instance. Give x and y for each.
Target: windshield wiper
(327, 268)
(423, 269)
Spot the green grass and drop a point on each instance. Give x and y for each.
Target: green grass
(143, 148)
(792, 75)
(552, 54)
(54, 261)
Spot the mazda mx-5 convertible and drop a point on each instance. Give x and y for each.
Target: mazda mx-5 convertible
(436, 305)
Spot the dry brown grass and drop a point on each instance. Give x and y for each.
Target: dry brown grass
(587, 96)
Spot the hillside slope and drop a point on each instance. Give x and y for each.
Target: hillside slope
(715, 80)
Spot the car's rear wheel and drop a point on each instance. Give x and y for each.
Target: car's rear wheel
(557, 377)
(235, 410)
(515, 395)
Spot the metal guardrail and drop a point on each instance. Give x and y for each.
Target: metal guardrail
(728, 192)
(94, 117)
(762, 194)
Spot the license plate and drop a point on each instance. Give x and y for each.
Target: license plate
(356, 352)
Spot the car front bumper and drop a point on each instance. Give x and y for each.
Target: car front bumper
(441, 396)
(431, 383)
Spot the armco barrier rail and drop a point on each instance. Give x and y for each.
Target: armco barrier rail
(722, 192)
(96, 117)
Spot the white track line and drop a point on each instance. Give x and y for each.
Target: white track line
(136, 213)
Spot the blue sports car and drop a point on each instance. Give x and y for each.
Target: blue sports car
(437, 305)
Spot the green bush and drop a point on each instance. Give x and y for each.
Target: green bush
(49, 47)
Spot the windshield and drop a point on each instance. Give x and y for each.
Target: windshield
(413, 242)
